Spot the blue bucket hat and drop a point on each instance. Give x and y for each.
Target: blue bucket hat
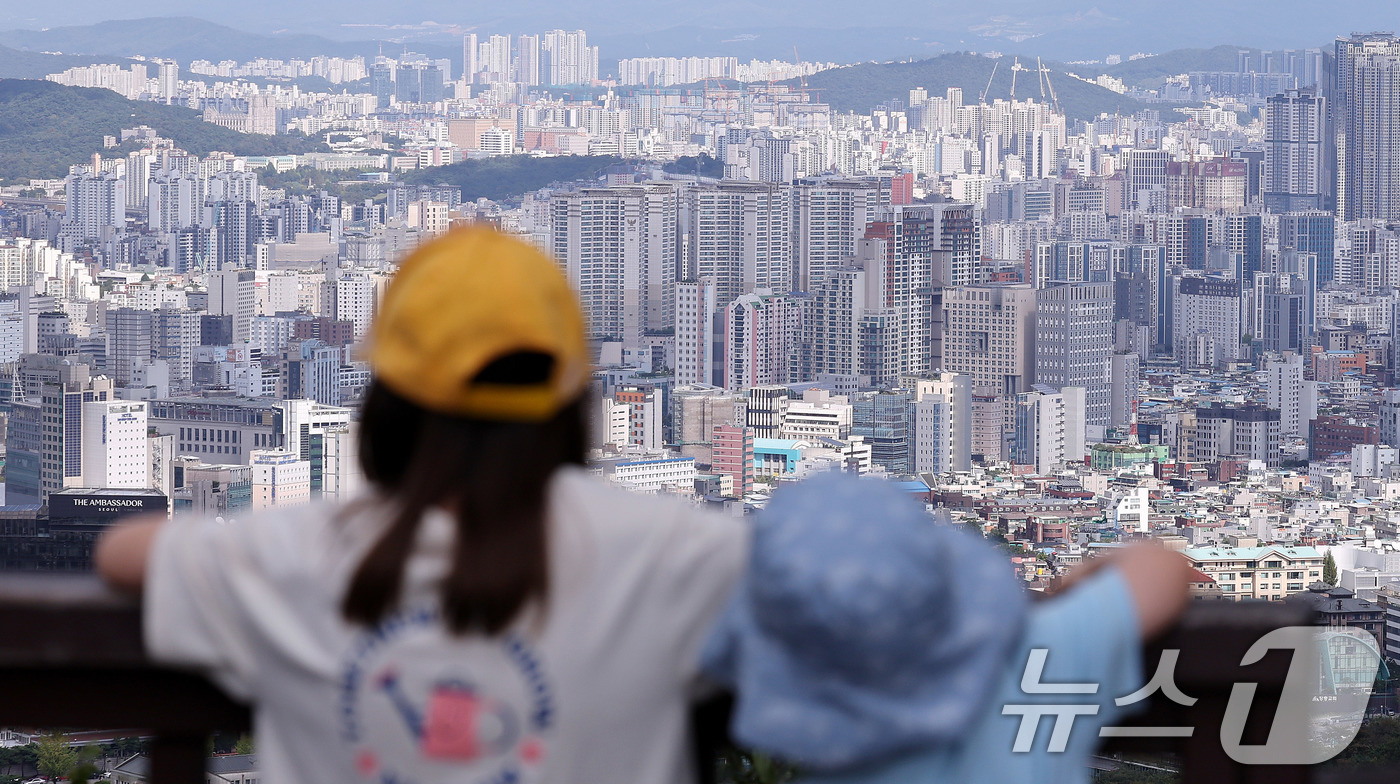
(862, 629)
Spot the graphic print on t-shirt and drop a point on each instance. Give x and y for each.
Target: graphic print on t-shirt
(418, 706)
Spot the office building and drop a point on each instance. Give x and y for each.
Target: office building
(279, 478)
(1244, 432)
(883, 420)
(1124, 388)
(1048, 428)
(1285, 393)
(732, 455)
(45, 431)
(1073, 343)
(232, 293)
(992, 337)
(942, 440)
(1206, 321)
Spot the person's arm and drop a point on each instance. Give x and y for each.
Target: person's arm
(1157, 578)
(124, 549)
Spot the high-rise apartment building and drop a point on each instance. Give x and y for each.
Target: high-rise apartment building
(619, 249)
(495, 59)
(829, 221)
(96, 204)
(1366, 88)
(1295, 167)
(469, 58)
(527, 60)
(849, 330)
(925, 249)
(570, 59)
(738, 233)
(695, 332)
(1206, 321)
(760, 338)
(168, 80)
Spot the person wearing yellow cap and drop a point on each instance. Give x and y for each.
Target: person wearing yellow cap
(488, 611)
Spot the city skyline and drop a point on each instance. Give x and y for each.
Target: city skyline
(1063, 31)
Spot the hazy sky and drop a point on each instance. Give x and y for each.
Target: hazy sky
(1126, 25)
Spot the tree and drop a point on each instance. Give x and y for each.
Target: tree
(56, 759)
(244, 745)
(1329, 569)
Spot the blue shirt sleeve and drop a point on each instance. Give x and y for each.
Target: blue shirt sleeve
(1090, 635)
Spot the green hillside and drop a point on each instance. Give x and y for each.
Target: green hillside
(46, 127)
(1151, 71)
(509, 176)
(17, 64)
(860, 88)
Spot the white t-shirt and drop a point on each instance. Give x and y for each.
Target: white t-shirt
(594, 690)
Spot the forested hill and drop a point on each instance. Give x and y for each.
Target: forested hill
(860, 88)
(47, 127)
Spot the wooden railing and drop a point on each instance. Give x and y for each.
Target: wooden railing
(71, 657)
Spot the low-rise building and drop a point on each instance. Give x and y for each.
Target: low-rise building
(1268, 572)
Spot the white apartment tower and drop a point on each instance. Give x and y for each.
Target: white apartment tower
(695, 332)
(739, 233)
(618, 247)
(1285, 390)
(829, 221)
(96, 204)
(942, 440)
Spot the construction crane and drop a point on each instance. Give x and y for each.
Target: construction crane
(1016, 68)
(983, 97)
(1046, 83)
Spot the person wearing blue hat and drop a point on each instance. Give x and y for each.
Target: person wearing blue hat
(867, 643)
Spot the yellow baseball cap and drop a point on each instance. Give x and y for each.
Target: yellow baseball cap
(466, 299)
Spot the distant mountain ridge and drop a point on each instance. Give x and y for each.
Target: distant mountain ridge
(183, 39)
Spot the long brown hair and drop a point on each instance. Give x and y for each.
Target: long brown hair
(491, 475)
